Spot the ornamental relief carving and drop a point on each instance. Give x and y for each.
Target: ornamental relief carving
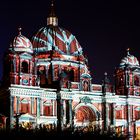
(85, 100)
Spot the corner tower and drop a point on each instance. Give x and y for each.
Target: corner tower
(127, 76)
(19, 62)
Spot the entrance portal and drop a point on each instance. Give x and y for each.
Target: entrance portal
(85, 115)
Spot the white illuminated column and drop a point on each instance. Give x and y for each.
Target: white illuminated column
(122, 116)
(53, 107)
(107, 115)
(114, 114)
(41, 106)
(64, 106)
(11, 109)
(17, 104)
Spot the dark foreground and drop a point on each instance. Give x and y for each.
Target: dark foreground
(66, 134)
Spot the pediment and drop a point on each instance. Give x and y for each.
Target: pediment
(27, 115)
(24, 101)
(26, 55)
(26, 118)
(86, 75)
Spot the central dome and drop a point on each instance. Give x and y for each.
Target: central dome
(57, 39)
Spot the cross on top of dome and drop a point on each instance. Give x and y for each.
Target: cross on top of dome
(52, 2)
(52, 9)
(128, 49)
(19, 30)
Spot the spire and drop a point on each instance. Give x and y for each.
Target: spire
(128, 51)
(19, 30)
(52, 9)
(52, 18)
(106, 80)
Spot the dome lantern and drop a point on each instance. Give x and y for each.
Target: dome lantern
(52, 18)
(19, 31)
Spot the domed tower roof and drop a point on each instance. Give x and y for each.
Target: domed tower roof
(129, 60)
(53, 39)
(56, 39)
(21, 43)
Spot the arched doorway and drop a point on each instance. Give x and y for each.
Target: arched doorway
(84, 116)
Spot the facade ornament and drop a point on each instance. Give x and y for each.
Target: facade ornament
(85, 100)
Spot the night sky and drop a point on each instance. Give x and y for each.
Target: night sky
(104, 29)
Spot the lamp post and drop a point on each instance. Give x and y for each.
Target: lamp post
(72, 126)
(105, 104)
(17, 120)
(59, 111)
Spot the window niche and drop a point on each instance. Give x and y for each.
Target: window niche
(24, 67)
(136, 81)
(41, 72)
(24, 106)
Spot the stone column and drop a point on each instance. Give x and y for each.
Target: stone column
(122, 112)
(38, 111)
(70, 112)
(100, 122)
(107, 115)
(18, 104)
(53, 102)
(59, 112)
(56, 107)
(41, 107)
(32, 105)
(114, 117)
(122, 118)
(38, 107)
(134, 120)
(129, 119)
(114, 114)
(11, 109)
(64, 114)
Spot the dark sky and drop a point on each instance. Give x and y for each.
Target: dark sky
(103, 28)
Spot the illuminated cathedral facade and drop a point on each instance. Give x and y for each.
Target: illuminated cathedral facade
(48, 82)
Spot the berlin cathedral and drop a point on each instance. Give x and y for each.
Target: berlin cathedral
(46, 80)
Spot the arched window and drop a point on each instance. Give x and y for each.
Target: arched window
(56, 72)
(24, 67)
(41, 72)
(71, 75)
(47, 111)
(47, 108)
(24, 106)
(85, 86)
(121, 80)
(136, 81)
(137, 112)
